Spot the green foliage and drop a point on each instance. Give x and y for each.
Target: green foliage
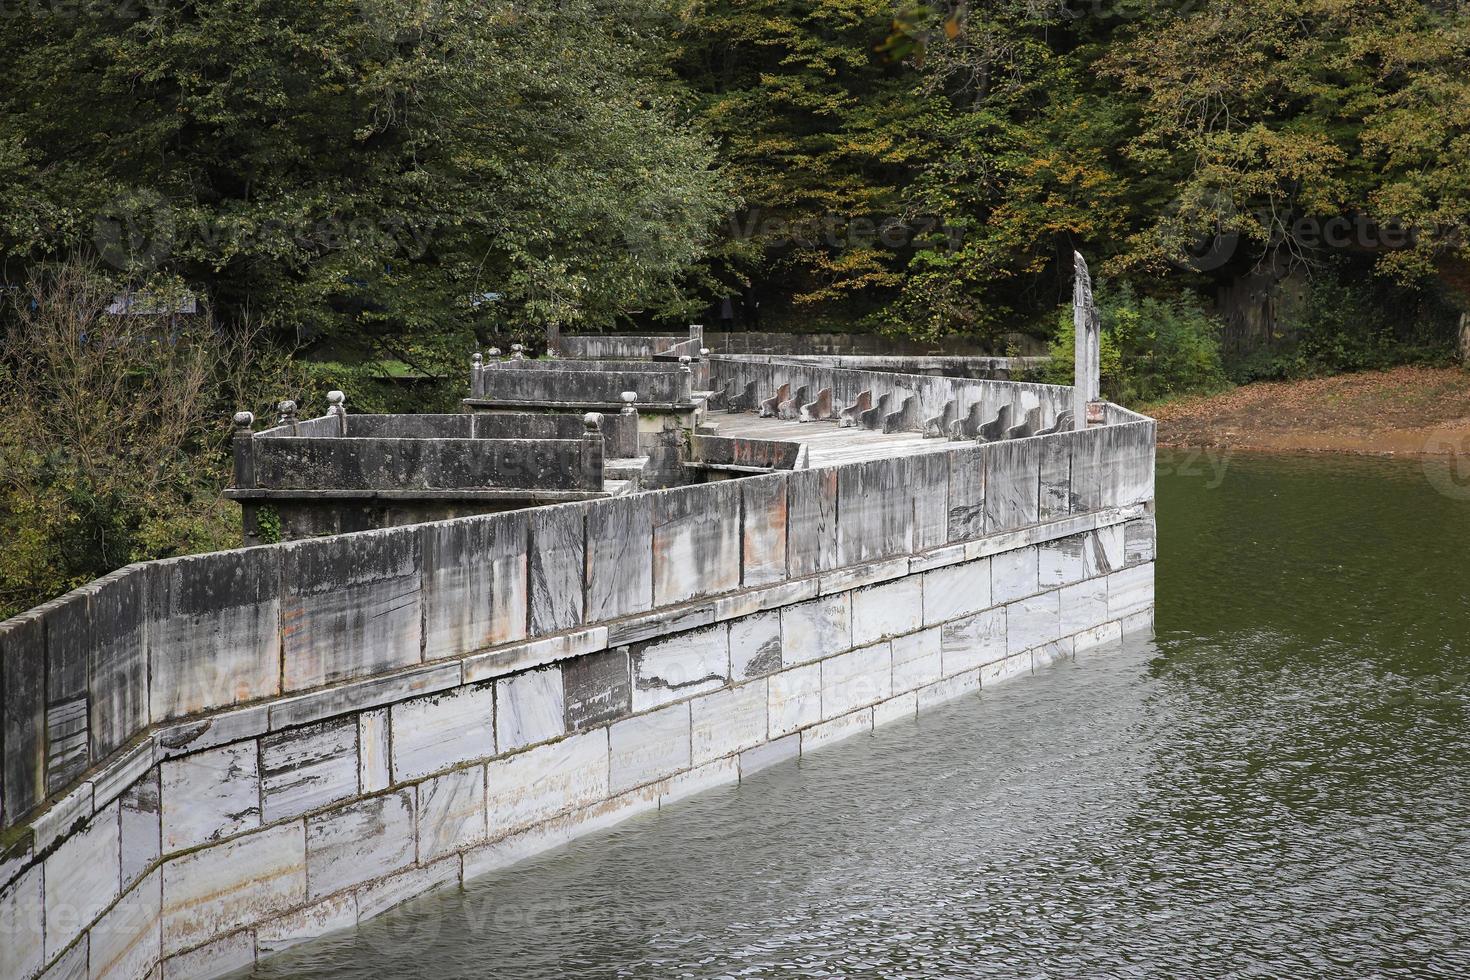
(364, 171)
(1152, 348)
(1344, 325)
(113, 434)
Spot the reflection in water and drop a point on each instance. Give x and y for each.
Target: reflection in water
(1275, 786)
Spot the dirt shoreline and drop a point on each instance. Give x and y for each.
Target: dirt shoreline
(1408, 412)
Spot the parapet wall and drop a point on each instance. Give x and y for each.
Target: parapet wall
(268, 743)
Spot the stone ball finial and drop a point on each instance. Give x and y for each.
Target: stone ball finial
(517, 352)
(629, 397)
(244, 420)
(336, 398)
(592, 422)
(704, 352)
(287, 409)
(478, 359)
(684, 361)
(495, 352)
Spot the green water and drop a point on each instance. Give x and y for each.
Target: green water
(1276, 785)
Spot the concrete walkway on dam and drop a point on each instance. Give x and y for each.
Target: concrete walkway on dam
(828, 444)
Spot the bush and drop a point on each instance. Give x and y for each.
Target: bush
(1152, 348)
(1344, 325)
(113, 434)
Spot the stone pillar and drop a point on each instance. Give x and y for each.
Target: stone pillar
(553, 339)
(593, 451)
(1087, 350)
(477, 375)
(244, 448)
(1465, 338)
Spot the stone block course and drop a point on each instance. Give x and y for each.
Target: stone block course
(917, 659)
(795, 699)
(860, 677)
(763, 530)
(557, 560)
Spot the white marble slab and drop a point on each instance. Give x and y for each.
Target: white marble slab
(210, 892)
(1014, 574)
(891, 609)
(359, 842)
(1033, 622)
(441, 731)
(126, 943)
(209, 795)
(535, 785)
(829, 732)
(451, 813)
(968, 643)
(861, 677)
(649, 747)
(755, 645)
(816, 629)
(956, 591)
(728, 721)
(335, 914)
(795, 699)
(82, 879)
(917, 659)
(682, 665)
(305, 769)
(529, 708)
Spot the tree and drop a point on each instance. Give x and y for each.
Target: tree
(389, 175)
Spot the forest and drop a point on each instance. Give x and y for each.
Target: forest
(287, 197)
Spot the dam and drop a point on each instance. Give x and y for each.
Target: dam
(456, 641)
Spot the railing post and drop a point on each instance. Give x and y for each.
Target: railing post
(592, 451)
(289, 417)
(337, 407)
(685, 393)
(243, 445)
(477, 375)
(1086, 348)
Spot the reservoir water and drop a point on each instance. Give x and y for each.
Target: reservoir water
(1277, 784)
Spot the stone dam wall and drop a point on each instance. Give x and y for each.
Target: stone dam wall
(210, 759)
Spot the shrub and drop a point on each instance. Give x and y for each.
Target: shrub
(1152, 347)
(113, 434)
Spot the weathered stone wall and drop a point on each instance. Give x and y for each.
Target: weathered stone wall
(224, 840)
(396, 643)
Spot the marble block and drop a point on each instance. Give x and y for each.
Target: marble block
(598, 688)
(755, 645)
(956, 591)
(213, 891)
(795, 699)
(441, 731)
(1014, 574)
(210, 795)
(681, 665)
(82, 879)
(917, 659)
(305, 769)
(649, 747)
(1033, 622)
(451, 813)
(1084, 606)
(890, 609)
(975, 640)
(529, 707)
(816, 629)
(854, 679)
(126, 943)
(536, 785)
(359, 842)
(1131, 591)
(728, 721)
